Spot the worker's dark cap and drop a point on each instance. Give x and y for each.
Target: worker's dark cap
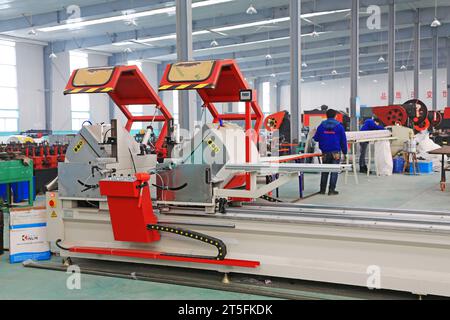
(331, 113)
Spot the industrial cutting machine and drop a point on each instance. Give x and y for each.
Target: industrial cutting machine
(119, 200)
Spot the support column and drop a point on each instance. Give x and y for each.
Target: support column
(448, 72)
(48, 87)
(354, 68)
(434, 68)
(184, 53)
(112, 61)
(417, 55)
(296, 69)
(391, 50)
(257, 85)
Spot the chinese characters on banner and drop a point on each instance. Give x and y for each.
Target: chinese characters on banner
(398, 95)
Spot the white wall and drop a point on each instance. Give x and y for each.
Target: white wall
(336, 93)
(30, 86)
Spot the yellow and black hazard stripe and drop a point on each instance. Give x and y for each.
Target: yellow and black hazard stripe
(88, 90)
(219, 244)
(187, 86)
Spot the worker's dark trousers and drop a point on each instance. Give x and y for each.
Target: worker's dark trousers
(328, 158)
(362, 156)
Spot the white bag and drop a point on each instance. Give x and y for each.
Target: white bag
(383, 158)
(28, 236)
(425, 144)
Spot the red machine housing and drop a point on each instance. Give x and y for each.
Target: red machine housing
(128, 86)
(131, 212)
(413, 113)
(130, 208)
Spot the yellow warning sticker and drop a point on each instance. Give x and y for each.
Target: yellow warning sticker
(78, 147)
(213, 146)
(54, 215)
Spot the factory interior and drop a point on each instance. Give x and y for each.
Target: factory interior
(230, 150)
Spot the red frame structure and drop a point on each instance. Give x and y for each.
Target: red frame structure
(154, 255)
(128, 86)
(223, 85)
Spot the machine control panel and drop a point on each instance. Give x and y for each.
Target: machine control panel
(246, 95)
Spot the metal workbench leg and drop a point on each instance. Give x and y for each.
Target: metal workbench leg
(369, 159)
(277, 191)
(443, 177)
(300, 184)
(355, 169)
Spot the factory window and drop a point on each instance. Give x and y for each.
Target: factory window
(176, 112)
(241, 107)
(266, 98)
(79, 102)
(136, 110)
(9, 105)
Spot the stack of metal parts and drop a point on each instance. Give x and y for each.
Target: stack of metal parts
(45, 158)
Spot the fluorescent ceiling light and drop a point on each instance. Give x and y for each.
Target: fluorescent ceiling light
(322, 13)
(251, 24)
(244, 44)
(167, 10)
(250, 43)
(237, 26)
(209, 3)
(221, 29)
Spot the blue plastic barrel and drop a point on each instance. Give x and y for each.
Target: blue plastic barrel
(21, 191)
(399, 164)
(3, 193)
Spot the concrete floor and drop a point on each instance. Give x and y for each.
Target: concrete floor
(18, 282)
(398, 191)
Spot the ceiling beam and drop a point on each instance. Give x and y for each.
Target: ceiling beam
(342, 70)
(405, 17)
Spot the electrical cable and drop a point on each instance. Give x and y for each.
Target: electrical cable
(104, 136)
(171, 188)
(132, 160)
(162, 181)
(57, 243)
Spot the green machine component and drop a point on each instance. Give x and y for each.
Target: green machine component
(17, 171)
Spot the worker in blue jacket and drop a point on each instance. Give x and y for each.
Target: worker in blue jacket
(369, 125)
(332, 141)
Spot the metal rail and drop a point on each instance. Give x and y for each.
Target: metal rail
(287, 167)
(247, 284)
(430, 221)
